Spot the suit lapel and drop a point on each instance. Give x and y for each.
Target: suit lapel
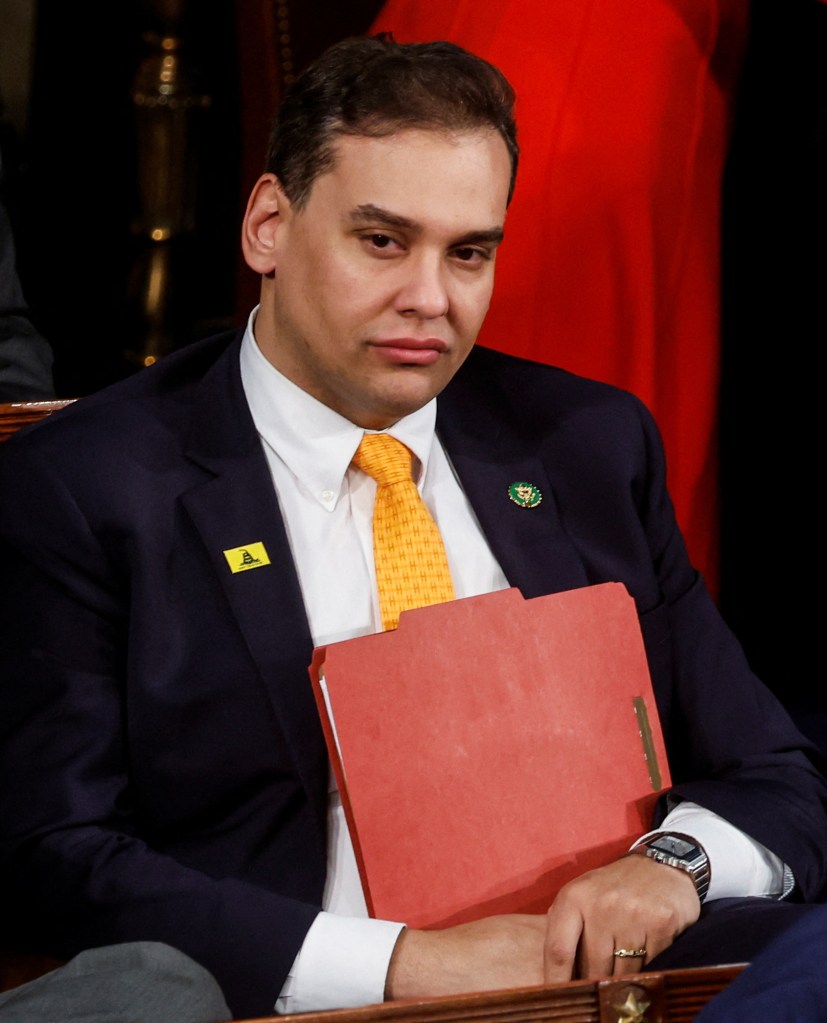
(489, 455)
(235, 507)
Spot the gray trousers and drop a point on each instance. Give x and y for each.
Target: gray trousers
(136, 982)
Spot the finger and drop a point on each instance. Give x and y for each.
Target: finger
(563, 930)
(594, 954)
(629, 958)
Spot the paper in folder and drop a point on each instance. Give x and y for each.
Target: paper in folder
(492, 748)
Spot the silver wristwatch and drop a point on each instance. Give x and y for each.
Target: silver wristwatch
(681, 851)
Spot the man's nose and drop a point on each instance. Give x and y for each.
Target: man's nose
(424, 291)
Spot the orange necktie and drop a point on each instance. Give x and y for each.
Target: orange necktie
(411, 566)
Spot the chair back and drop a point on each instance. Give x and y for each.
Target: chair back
(16, 414)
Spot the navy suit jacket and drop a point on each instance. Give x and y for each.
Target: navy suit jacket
(164, 774)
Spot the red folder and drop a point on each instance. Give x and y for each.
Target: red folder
(491, 748)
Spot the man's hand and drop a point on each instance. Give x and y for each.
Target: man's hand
(633, 903)
(496, 952)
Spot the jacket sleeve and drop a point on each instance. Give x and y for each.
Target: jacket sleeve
(733, 747)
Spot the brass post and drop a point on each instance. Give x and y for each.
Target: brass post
(169, 103)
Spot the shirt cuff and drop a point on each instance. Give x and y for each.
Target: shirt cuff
(740, 866)
(343, 963)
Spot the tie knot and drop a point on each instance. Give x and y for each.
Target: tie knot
(384, 458)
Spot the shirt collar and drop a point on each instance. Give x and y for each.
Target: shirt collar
(315, 443)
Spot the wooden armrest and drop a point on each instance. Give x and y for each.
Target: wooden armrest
(669, 996)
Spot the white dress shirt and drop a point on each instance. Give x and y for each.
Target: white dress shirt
(327, 506)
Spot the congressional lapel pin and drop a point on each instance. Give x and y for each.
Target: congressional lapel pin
(526, 495)
(251, 555)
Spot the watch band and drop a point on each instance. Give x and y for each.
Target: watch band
(675, 849)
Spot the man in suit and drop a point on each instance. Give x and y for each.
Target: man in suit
(167, 776)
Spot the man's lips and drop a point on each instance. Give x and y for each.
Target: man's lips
(411, 351)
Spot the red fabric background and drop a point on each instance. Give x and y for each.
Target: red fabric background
(611, 266)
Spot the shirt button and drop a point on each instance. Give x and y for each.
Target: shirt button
(327, 495)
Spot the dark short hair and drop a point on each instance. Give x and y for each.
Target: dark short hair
(373, 86)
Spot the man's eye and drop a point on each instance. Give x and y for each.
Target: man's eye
(379, 241)
(382, 246)
(467, 254)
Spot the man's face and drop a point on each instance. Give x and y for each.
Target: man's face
(383, 279)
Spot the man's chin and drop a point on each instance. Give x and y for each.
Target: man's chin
(389, 408)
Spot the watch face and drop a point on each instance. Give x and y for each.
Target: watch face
(672, 845)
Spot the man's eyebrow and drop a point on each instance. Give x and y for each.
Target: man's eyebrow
(493, 234)
(369, 213)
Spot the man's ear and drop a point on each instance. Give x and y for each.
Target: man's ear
(262, 218)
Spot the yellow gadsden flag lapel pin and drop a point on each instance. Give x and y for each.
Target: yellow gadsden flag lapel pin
(251, 555)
